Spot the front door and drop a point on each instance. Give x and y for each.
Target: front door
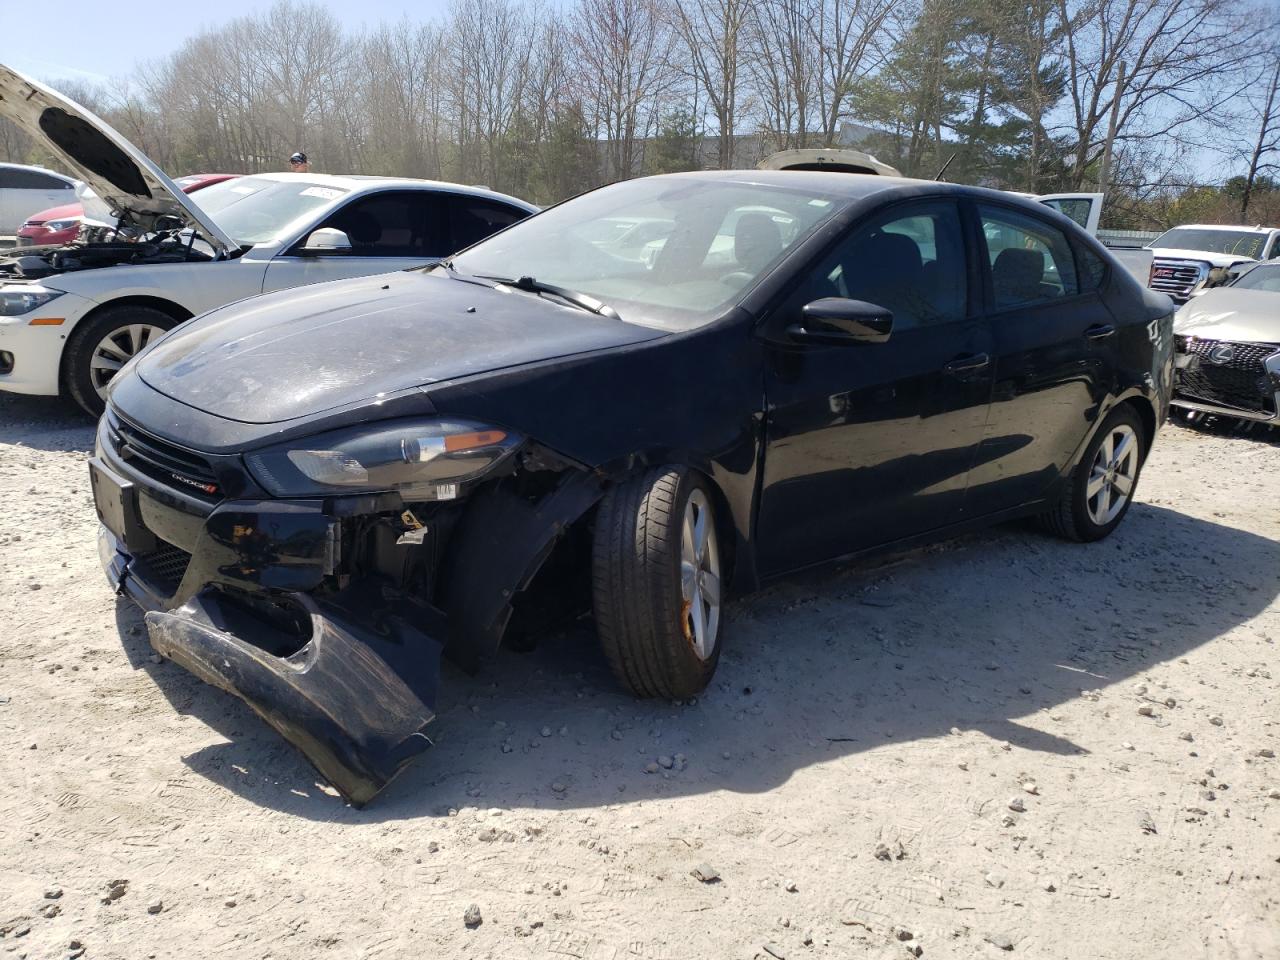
(1053, 339)
(388, 231)
(869, 443)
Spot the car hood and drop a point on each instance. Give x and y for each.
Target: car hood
(300, 352)
(120, 174)
(1213, 259)
(1245, 316)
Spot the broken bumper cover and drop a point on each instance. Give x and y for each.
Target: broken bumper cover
(349, 679)
(354, 699)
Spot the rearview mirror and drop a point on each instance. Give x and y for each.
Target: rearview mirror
(837, 320)
(326, 240)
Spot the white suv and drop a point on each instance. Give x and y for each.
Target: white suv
(1190, 258)
(71, 316)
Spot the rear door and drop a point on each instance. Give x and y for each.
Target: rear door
(389, 230)
(1053, 341)
(871, 442)
(1084, 208)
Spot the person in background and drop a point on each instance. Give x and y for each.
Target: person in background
(298, 163)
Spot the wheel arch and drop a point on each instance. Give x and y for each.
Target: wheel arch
(175, 310)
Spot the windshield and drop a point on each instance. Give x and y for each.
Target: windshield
(1265, 277)
(665, 252)
(1236, 243)
(254, 210)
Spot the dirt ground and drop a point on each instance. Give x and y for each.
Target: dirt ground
(1005, 745)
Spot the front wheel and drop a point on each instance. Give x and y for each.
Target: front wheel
(657, 589)
(1100, 489)
(101, 346)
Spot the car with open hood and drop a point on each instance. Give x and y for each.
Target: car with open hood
(1227, 349)
(71, 316)
(316, 492)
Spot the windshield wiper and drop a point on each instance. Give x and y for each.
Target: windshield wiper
(530, 285)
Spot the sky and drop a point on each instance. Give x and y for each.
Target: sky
(92, 40)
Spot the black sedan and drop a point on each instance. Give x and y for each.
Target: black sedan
(637, 403)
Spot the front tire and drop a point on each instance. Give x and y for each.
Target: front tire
(656, 583)
(101, 346)
(1100, 489)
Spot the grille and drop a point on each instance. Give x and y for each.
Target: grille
(1176, 277)
(165, 462)
(164, 567)
(1241, 382)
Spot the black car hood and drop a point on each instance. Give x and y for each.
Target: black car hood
(303, 351)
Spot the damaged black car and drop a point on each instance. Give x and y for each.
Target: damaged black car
(634, 405)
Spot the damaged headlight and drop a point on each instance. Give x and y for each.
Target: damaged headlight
(419, 459)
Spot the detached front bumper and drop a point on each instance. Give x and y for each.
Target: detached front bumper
(349, 678)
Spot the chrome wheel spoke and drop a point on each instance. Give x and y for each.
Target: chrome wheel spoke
(116, 349)
(700, 585)
(1123, 449)
(1097, 480)
(710, 588)
(1123, 484)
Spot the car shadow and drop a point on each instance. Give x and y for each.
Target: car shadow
(1228, 428)
(979, 636)
(44, 423)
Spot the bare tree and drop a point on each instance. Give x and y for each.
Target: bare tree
(1266, 103)
(850, 37)
(713, 34)
(624, 51)
(784, 68)
(1179, 56)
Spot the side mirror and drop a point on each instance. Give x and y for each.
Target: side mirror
(326, 240)
(835, 320)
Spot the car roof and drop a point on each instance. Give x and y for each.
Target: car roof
(1233, 227)
(364, 182)
(857, 186)
(28, 166)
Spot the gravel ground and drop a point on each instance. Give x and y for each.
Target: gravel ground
(1001, 744)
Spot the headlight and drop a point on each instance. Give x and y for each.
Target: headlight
(14, 303)
(61, 224)
(420, 459)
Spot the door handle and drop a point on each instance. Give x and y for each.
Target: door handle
(1100, 331)
(975, 361)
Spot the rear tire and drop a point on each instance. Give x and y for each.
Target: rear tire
(109, 338)
(1100, 489)
(656, 583)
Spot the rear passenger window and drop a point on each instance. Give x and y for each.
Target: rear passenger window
(1030, 260)
(910, 261)
(475, 218)
(1093, 269)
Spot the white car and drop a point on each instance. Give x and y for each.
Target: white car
(70, 318)
(26, 190)
(1189, 259)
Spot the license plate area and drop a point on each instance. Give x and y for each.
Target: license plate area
(116, 501)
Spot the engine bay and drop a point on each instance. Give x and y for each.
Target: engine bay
(33, 263)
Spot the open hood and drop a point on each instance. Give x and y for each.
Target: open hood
(117, 171)
(1225, 313)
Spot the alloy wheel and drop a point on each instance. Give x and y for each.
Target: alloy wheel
(1113, 474)
(699, 576)
(116, 348)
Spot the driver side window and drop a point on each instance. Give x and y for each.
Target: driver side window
(909, 260)
(393, 224)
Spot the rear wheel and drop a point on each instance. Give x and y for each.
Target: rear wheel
(100, 347)
(657, 590)
(1100, 490)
